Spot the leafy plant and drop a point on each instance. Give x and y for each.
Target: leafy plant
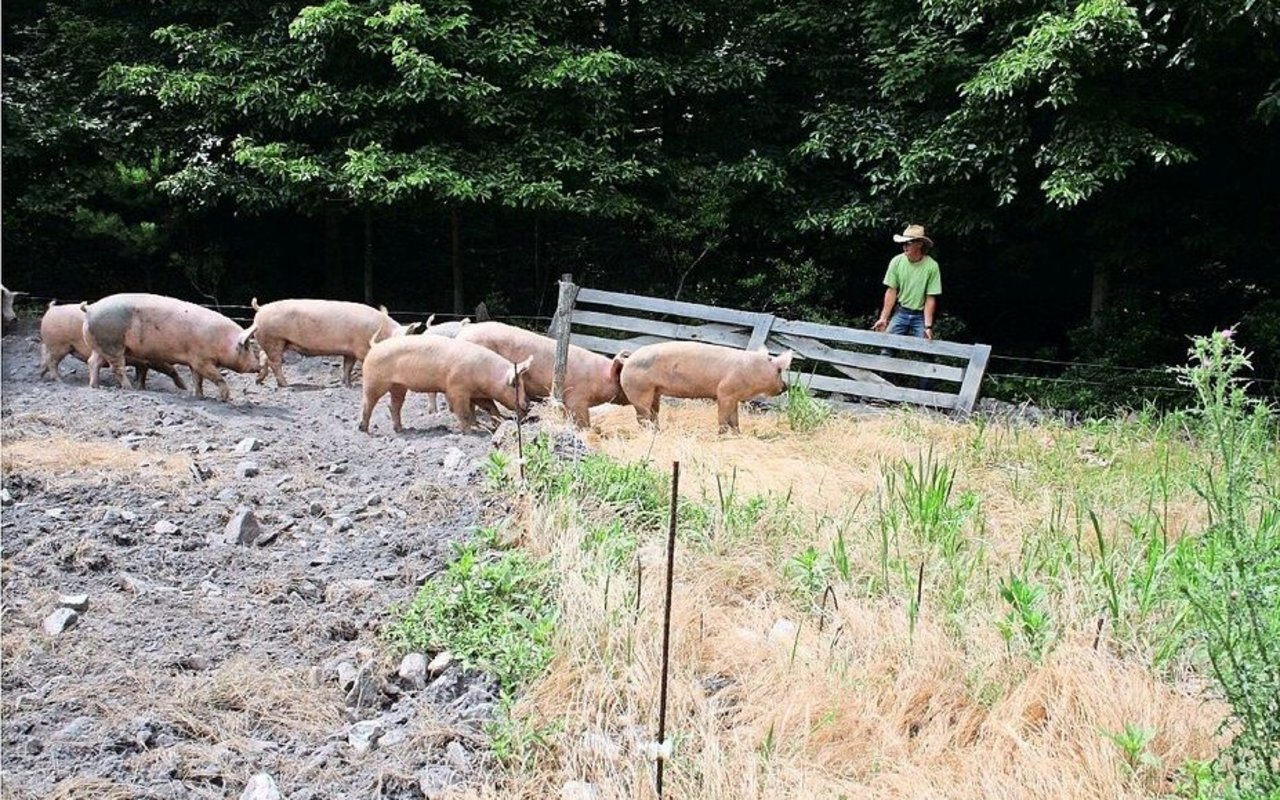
(1133, 741)
(491, 609)
(1230, 575)
(1026, 617)
(804, 411)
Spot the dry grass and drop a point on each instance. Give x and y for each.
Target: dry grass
(61, 455)
(869, 706)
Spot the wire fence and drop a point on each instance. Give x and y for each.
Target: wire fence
(244, 316)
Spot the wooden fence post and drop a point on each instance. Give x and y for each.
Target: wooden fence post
(560, 327)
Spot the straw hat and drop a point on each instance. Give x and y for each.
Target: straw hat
(911, 233)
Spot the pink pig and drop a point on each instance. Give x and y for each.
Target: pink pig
(319, 328)
(696, 369)
(164, 330)
(62, 335)
(468, 374)
(590, 379)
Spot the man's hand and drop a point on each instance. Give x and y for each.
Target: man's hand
(928, 333)
(880, 324)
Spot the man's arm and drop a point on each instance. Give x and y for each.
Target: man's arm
(930, 305)
(890, 298)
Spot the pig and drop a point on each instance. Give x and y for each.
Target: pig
(447, 329)
(590, 379)
(468, 375)
(8, 316)
(62, 335)
(696, 369)
(164, 330)
(319, 328)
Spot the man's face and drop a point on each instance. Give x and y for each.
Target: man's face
(913, 250)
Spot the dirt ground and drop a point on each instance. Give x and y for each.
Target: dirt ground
(196, 662)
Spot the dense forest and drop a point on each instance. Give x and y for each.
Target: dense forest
(1101, 178)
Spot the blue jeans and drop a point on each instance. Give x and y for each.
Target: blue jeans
(906, 322)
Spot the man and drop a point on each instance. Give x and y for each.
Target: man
(913, 283)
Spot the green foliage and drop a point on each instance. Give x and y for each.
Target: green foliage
(1230, 574)
(804, 411)
(491, 609)
(1132, 742)
(1027, 616)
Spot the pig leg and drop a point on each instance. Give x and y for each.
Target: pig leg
(491, 408)
(348, 363)
(117, 369)
(273, 360)
(728, 414)
(581, 415)
(398, 392)
(95, 363)
(208, 369)
(372, 394)
(168, 369)
(433, 402)
(461, 405)
(140, 371)
(49, 363)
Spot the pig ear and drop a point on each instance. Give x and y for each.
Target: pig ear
(465, 321)
(383, 309)
(783, 362)
(430, 319)
(246, 335)
(523, 366)
(412, 328)
(254, 304)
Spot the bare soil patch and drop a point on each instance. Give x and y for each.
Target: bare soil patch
(199, 663)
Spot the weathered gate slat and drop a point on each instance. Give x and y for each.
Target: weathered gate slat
(815, 330)
(878, 391)
(818, 351)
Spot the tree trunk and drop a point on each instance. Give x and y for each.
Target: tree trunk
(455, 225)
(368, 257)
(333, 251)
(1100, 296)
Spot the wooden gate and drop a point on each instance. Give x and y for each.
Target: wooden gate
(855, 361)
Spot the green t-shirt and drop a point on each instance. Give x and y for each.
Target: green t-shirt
(913, 281)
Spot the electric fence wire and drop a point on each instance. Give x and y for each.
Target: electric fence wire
(414, 316)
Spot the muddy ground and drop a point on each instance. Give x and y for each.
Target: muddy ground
(194, 662)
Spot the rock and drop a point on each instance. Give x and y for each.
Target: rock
(246, 445)
(783, 632)
(440, 663)
(435, 783)
(366, 689)
(363, 736)
(347, 673)
(56, 513)
(60, 620)
(316, 509)
(76, 602)
(453, 459)
(342, 524)
(6, 499)
(165, 528)
(457, 757)
(579, 790)
(373, 500)
(261, 787)
(349, 590)
(228, 495)
(413, 671)
(243, 527)
(247, 469)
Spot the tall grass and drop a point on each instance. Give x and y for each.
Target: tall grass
(988, 611)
